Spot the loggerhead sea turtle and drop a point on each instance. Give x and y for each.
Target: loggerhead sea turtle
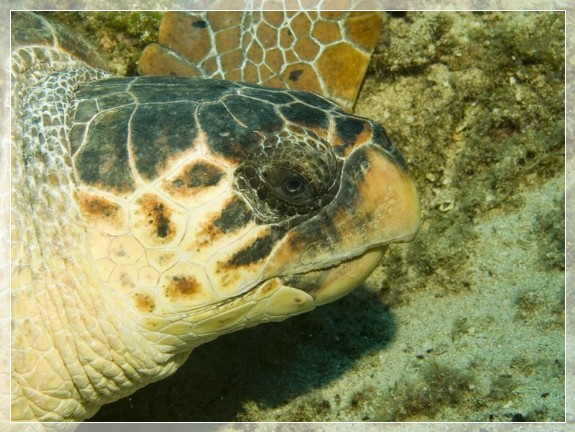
(153, 214)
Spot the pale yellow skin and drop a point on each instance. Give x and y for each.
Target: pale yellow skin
(95, 311)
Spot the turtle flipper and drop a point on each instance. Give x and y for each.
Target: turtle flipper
(323, 52)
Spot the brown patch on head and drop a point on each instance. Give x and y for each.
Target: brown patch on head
(192, 178)
(155, 221)
(158, 215)
(240, 266)
(144, 303)
(253, 253)
(101, 212)
(183, 287)
(351, 133)
(270, 286)
(98, 207)
(235, 215)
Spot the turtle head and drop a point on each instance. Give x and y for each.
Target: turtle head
(212, 205)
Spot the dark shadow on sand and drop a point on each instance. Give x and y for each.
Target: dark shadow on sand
(269, 364)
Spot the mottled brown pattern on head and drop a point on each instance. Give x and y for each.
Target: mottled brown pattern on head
(193, 178)
(251, 254)
(270, 286)
(97, 209)
(227, 277)
(235, 214)
(183, 287)
(360, 138)
(144, 303)
(158, 215)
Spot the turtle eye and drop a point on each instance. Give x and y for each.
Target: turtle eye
(288, 184)
(293, 185)
(290, 177)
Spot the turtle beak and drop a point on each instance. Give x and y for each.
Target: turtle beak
(377, 204)
(380, 205)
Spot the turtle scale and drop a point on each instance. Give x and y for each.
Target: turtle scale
(255, 114)
(99, 160)
(234, 215)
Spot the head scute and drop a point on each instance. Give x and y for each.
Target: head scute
(290, 176)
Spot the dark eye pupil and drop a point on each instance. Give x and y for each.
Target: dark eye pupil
(293, 185)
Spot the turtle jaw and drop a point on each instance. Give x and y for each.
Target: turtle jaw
(330, 284)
